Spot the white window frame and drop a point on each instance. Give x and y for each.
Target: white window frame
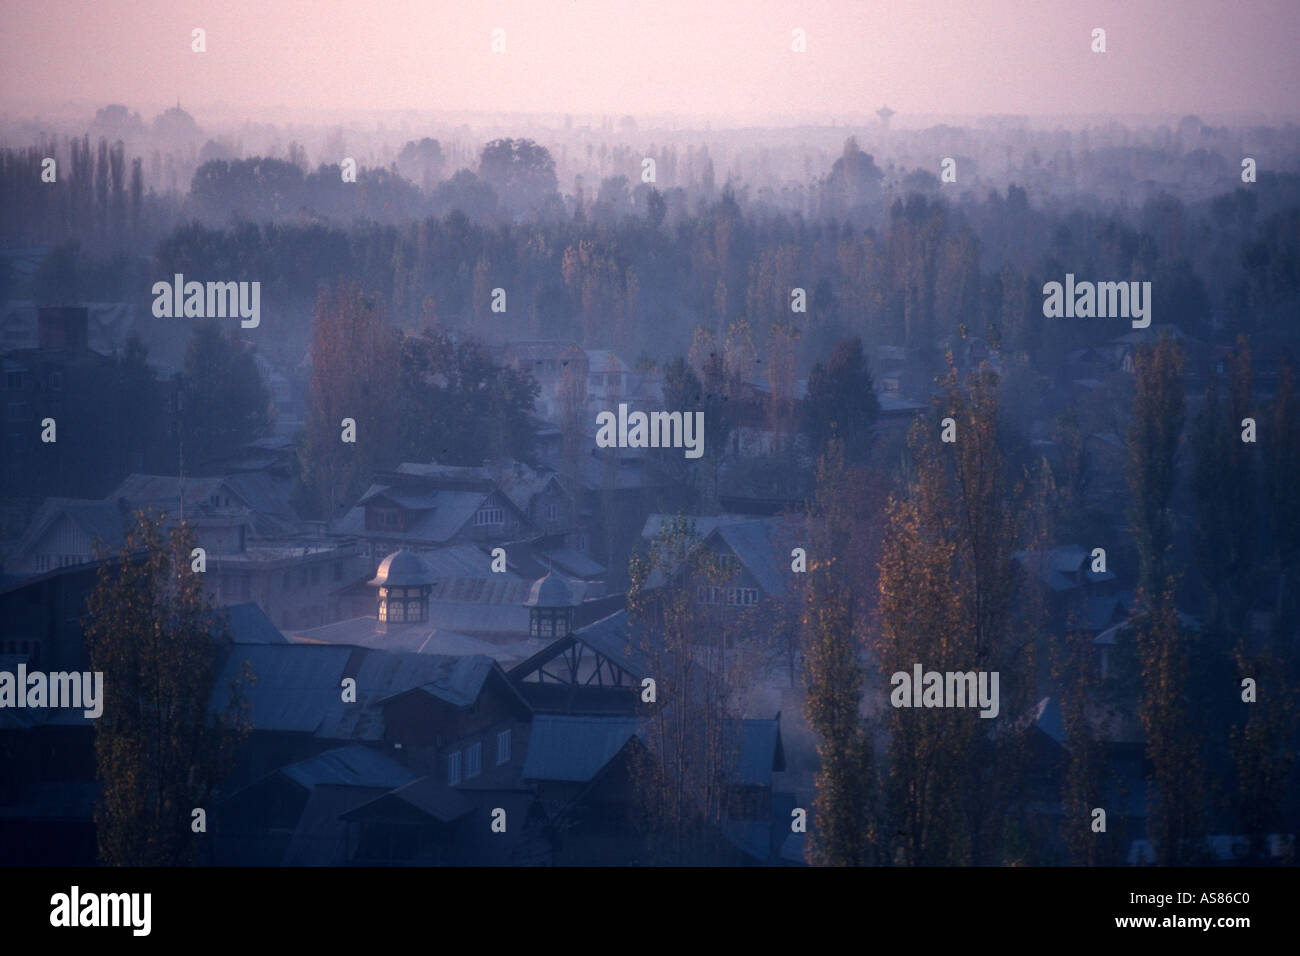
(474, 760)
(489, 516)
(503, 747)
(453, 768)
(742, 597)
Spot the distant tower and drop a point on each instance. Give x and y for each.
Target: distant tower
(884, 113)
(550, 608)
(404, 583)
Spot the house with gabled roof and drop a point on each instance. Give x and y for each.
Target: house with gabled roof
(421, 507)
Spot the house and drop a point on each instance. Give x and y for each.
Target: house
(292, 816)
(1077, 596)
(428, 506)
(255, 543)
(65, 532)
(561, 370)
(753, 553)
(428, 823)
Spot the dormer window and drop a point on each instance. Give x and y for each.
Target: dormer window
(489, 516)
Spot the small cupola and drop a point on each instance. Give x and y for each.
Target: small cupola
(550, 607)
(404, 583)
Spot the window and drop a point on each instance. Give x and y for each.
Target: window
(552, 512)
(709, 594)
(474, 761)
(489, 516)
(503, 747)
(742, 597)
(453, 768)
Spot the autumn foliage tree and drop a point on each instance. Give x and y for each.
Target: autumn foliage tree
(1158, 413)
(845, 830)
(159, 754)
(355, 371)
(691, 734)
(948, 589)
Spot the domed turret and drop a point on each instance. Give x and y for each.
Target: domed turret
(404, 583)
(550, 607)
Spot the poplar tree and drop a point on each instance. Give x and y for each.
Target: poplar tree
(355, 371)
(159, 755)
(1158, 413)
(948, 590)
(1177, 801)
(845, 828)
(689, 732)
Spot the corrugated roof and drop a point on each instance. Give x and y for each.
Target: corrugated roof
(496, 589)
(351, 766)
(250, 625)
(703, 524)
(461, 561)
(320, 838)
(298, 685)
(574, 749)
(757, 753)
(576, 562)
(140, 489)
(430, 795)
(470, 618)
(613, 638)
(447, 511)
(755, 544)
(101, 520)
(455, 680)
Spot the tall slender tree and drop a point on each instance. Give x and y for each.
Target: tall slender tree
(845, 829)
(159, 754)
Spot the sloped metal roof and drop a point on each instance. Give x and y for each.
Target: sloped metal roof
(298, 686)
(250, 625)
(574, 749)
(759, 752)
(352, 766)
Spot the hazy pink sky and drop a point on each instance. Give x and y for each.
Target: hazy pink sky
(658, 56)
